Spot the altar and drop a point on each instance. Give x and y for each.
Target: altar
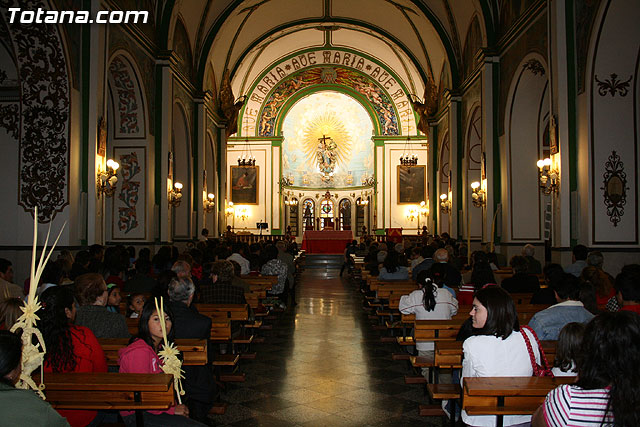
(326, 241)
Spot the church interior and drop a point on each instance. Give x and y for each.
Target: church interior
(489, 124)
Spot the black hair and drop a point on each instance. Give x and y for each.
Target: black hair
(270, 252)
(628, 282)
(482, 274)
(391, 261)
(519, 264)
(130, 299)
(553, 273)
(609, 357)
(56, 328)
(502, 318)
(568, 287)
(144, 253)
(4, 265)
(438, 274)
(427, 252)
(143, 324)
(83, 258)
(568, 347)
(587, 296)
(52, 273)
(429, 290)
(10, 354)
(580, 252)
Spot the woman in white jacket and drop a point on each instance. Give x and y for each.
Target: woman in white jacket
(498, 348)
(430, 302)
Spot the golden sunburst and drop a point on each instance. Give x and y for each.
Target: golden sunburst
(326, 124)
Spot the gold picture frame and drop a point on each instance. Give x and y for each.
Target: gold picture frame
(412, 184)
(244, 184)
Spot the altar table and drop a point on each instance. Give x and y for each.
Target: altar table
(326, 241)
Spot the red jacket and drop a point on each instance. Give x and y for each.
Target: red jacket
(89, 358)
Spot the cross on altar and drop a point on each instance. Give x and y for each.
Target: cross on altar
(324, 139)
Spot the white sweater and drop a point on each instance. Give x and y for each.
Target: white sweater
(446, 307)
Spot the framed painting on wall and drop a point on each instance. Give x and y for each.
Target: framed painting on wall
(244, 185)
(129, 202)
(411, 184)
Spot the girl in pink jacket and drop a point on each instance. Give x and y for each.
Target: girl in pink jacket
(141, 357)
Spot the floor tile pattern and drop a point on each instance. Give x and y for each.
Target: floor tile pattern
(323, 365)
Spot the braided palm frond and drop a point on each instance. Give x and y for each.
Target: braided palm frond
(169, 355)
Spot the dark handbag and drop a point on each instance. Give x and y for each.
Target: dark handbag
(538, 371)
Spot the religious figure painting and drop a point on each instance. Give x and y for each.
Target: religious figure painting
(244, 185)
(411, 184)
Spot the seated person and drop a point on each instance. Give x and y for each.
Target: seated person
(426, 253)
(135, 304)
(114, 298)
(92, 294)
(628, 287)
(481, 275)
(533, 265)
(579, 258)
(430, 302)
(601, 282)
(553, 273)
(222, 291)
(521, 281)
(606, 391)
(70, 348)
(21, 407)
(141, 357)
(272, 266)
(392, 270)
(568, 350)
(141, 282)
(548, 323)
(199, 382)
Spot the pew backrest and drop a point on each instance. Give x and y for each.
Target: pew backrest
(194, 352)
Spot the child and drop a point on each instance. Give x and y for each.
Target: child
(141, 356)
(569, 342)
(114, 298)
(135, 303)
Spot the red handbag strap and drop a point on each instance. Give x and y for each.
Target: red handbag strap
(543, 357)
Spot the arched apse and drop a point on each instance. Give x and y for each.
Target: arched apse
(182, 161)
(346, 122)
(473, 156)
(526, 119)
(126, 126)
(613, 121)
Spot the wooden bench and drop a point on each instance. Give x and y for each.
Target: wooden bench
(110, 391)
(502, 396)
(194, 352)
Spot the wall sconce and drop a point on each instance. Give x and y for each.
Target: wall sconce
(445, 204)
(549, 179)
(242, 214)
(412, 214)
(292, 202)
(362, 201)
(478, 195)
(175, 195)
(209, 203)
(107, 180)
(424, 208)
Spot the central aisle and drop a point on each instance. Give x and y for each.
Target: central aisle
(322, 364)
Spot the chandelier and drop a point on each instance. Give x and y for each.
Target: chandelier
(246, 158)
(408, 158)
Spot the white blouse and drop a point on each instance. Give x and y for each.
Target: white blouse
(490, 356)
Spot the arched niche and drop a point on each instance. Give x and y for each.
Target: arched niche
(526, 119)
(126, 128)
(182, 161)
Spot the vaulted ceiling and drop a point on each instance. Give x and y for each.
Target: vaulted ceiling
(417, 38)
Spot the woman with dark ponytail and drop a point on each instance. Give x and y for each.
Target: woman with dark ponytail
(70, 348)
(20, 407)
(430, 302)
(606, 392)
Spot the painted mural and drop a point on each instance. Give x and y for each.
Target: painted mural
(362, 84)
(327, 142)
(129, 206)
(127, 102)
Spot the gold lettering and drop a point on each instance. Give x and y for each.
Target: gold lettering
(268, 81)
(280, 72)
(263, 89)
(383, 76)
(312, 58)
(389, 83)
(360, 64)
(303, 60)
(336, 58)
(397, 94)
(257, 98)
(375, 72)
(345, 59)
(295, 63)
(327, 56)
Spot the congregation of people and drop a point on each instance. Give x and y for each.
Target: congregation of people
(81, 297)
(593, 317)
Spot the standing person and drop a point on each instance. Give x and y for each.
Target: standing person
(430, 302)
(70, 348)
(21, 407)
(348, 250)
(498, 349)
(606, 392)
(141, 357)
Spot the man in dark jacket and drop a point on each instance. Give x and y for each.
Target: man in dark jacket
(199, 381)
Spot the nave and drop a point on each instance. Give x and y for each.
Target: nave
(323, 364)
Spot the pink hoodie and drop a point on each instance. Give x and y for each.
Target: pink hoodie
(139, 358)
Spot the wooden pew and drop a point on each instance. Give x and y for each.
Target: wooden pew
(110, 391)
(194, 352)
(507, 395)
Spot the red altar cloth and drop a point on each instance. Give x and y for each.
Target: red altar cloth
(326, 242)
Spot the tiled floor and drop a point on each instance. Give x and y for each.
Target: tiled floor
(323, 365)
